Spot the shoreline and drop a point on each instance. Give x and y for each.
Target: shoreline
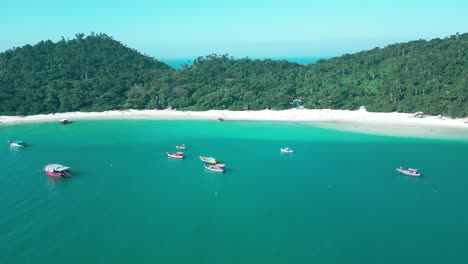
(393, 124)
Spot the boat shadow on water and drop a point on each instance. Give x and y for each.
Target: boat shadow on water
(55, 181)
(410, 179)
(286, 156)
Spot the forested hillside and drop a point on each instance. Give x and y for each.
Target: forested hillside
(429, 76)
(86, 73)
(95, 72)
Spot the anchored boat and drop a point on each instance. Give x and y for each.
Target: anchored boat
(214, 168)
(57, 170)
(177, 155)
(286, 150)
(409, 171)
(210, 160)
(17, 144)
(181, 147)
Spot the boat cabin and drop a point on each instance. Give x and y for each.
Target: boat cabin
(57, 170)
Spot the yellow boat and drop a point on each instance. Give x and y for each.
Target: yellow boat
(210, 160)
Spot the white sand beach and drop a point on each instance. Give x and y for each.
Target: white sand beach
(404, 124)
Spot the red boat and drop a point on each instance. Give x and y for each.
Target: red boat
(409, 172)
(176, 155)
(57, 170)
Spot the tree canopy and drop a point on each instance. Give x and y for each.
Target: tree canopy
(96, 73)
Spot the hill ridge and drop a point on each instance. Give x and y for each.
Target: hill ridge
(97, 73)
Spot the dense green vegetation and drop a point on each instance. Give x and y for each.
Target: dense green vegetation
(95, 73)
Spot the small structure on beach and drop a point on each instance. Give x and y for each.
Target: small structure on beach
(246, 107)
(297, 103)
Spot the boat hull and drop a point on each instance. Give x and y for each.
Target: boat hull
(56, 174)
(214, 168)
(17, 144)
(175, 156)
(208, 160)
(408, 173)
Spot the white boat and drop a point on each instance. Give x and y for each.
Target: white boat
(17, 144)
(181, 147)
(286, 150)
(177, 155)
(57, 170)
(214, 168)
(409, 172)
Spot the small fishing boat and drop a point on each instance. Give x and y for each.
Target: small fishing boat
(286, 150)
(181, 146)
(64, 121)
(17, 144)
(409, 171)
(177, 155)
(214, 168)
(57, 170)
(210, 160)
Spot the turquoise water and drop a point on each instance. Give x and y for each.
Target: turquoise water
(177, 63)
(337, 199)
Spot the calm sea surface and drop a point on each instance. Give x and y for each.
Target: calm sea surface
(336, 199)
(177, 63)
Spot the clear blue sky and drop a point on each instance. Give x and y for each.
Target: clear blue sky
(253, 28)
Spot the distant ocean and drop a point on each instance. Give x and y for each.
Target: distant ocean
(336, 199)
(177, 63)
